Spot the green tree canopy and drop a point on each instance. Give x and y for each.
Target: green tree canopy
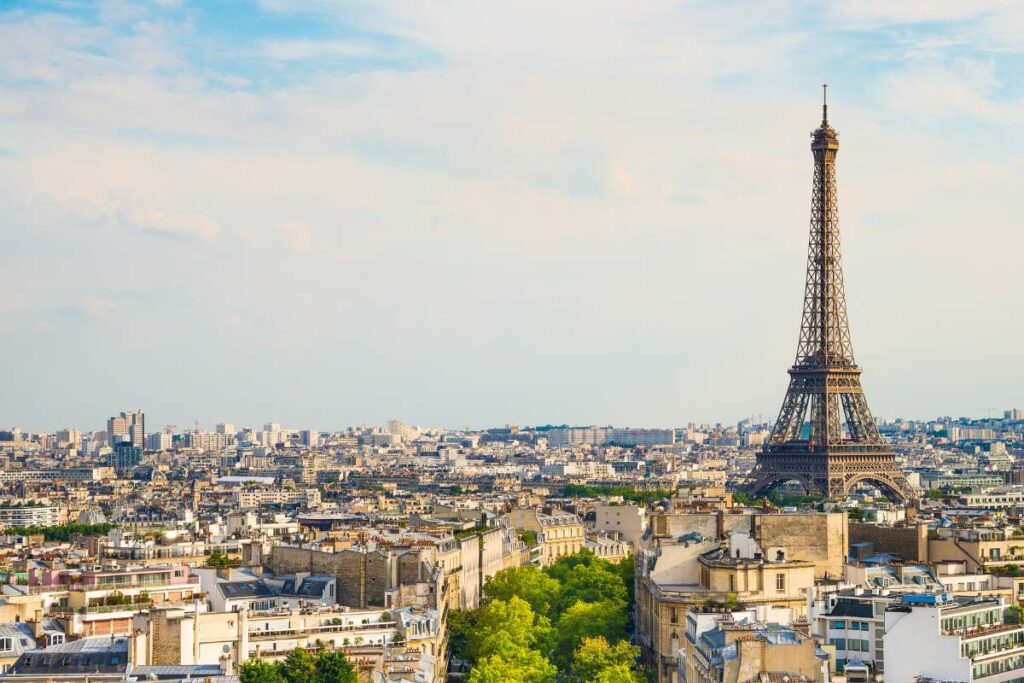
(606, 619)
(260, 671)
(528, 583)
(506, 620)
(327, 666)
(595, 655)
(592, 583)
(513, 662)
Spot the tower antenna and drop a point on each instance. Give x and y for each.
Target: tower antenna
(824, 103)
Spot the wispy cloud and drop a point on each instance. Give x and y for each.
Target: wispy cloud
(152, 221)
(297, 236)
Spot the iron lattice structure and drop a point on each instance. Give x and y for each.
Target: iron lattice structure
(825, 436)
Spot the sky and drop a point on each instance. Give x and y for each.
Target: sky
(470, 213)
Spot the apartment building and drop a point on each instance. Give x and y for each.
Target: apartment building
(691, 559)
(558, 534)
(950, 638)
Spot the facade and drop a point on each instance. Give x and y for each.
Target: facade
(694, 559)
(558, 534)
(28, 513)
(129, 426)
(949, 638)
(741, 646)
(229, 639)
(629, 521)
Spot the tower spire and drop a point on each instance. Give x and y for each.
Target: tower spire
(824, 104)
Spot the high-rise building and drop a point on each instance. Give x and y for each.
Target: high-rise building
(226, 428)
(125, 456)
(310, 438)
(158, 441)
(825, 436)
(129, 426)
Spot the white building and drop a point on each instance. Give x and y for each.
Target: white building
(948, 638)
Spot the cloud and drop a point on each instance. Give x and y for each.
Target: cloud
(298, 50)
(155, 222)
(297, 236)
(96, 307)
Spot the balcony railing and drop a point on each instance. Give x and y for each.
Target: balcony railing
(103, 609)
(322, 628)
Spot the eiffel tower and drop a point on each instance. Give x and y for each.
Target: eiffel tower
(825, 437)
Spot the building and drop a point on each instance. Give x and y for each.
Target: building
(158, 441)
(558, 534)
(748, 645)
(125, 456)
(104, 601)
(129, 426)
(29, 513)
(228, 639)
(946, 638)
(629, 521)
(756, 559)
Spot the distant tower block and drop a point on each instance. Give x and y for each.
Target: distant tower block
(825, 437)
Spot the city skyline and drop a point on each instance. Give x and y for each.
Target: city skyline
(294, 221)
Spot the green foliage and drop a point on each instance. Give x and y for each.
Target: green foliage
(528, 583)
(529, 614)
(529, 538)
(514, 663)
(62, 532)
(630, 493)
(460, 625)
(563, 566)
(605, 619)
(219, 559)
(259, 671)
(776, 498)
(592, 583)
(326, 666)
(596, 660)
(501, 621)
(1014, 614)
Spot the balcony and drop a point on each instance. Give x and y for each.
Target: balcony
(103, 609)
(323, 628)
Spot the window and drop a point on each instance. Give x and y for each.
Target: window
(780, 582)
(837, 625)
(840, 643)
(6, 644)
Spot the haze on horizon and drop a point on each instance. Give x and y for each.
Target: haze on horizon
(338, 212)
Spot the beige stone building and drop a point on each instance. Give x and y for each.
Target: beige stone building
(694, 559)
(559, 534)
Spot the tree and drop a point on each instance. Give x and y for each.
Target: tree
(562, 568)
(298, 667)
(588, 620)
(620, 673)
(500, 620)
(528, 583)
(259, 671)
(514, 663)
(595, 657)
(592, 583)
(461, 623)
(626, 569)
(333, 667)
